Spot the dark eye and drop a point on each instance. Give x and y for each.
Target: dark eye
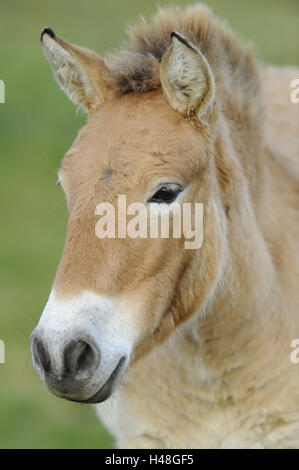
(167, 194)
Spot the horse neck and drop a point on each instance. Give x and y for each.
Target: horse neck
(242, 335)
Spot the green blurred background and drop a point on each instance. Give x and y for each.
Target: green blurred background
(37, 125)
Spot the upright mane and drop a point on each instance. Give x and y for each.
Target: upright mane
(135, 68)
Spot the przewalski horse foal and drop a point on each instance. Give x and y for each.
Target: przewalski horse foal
(186, 348)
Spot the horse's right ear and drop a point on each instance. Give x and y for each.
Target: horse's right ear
(81, 73)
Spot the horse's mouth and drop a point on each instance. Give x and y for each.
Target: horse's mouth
(107, 389)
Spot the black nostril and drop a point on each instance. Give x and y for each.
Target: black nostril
(41, 355)
(79, 357)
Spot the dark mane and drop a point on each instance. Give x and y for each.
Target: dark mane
(135, 68)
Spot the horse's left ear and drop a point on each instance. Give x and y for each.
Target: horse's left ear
(81, 72)
(186, 77)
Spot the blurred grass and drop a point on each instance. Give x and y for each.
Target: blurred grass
(38, 124)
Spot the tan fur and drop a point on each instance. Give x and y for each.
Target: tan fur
(212, 368)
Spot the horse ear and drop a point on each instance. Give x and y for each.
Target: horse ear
(81, 73)
(186, 77)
